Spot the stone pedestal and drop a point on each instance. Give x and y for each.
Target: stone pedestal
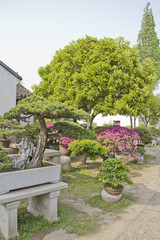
(8, 219)
(66, 163)
(110, 198)
(45, 205)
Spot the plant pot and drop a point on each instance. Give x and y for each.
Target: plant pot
(4, 143)
(30, 177)
(64, 150)
(114, 191)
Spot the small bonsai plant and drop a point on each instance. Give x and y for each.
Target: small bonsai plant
(113, 172)
(90, 148)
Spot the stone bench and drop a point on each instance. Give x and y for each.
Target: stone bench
(42, 200)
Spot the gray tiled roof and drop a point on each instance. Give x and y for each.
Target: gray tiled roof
(22, 91)
(10, 70)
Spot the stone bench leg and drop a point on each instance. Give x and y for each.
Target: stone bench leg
(45, 205)
(8, 219)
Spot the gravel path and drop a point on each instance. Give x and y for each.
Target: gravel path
(147, 226)
(141, 221)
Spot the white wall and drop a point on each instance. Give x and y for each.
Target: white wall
(124, 120)
(8, 88)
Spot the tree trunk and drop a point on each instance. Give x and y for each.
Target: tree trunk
(84, 159)
(41, 144)
(131, 122)
(89, 125)
(134, 122)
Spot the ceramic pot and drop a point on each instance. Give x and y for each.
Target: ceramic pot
(114, 191)
(64, 150)
(4, 143)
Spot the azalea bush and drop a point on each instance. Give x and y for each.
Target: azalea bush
(65, 141)
(120, 140)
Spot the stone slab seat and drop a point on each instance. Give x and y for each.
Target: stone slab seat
(42, 200)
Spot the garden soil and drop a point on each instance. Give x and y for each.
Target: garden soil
(139, 222)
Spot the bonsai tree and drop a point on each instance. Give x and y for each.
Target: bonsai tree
(90, 148)
(113, 172)
(43, 109)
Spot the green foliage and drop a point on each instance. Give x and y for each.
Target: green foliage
(148, 42)
(150, 111)
(43, 108)
(141, 150)
(90, 148)
(103, 128)
(73, 130)
(99, 76)
(154, 131)
(5, 161)
(113, 172)
(10, 127)
(145, 135)
(32, 131)
(97, 201)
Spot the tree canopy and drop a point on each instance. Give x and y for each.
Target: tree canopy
(99, 76)
(148, 42)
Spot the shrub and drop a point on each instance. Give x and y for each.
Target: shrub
(5, 161)
(113, 172)
(71, 130)
(145, 135)
(120, 139)
(90, 148)
(141, 150)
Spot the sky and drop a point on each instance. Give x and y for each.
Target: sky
(32, 30)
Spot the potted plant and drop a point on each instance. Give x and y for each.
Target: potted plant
(64, 143)
(112, 173)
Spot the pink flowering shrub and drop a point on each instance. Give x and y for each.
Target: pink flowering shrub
(65, 141)
(120, 140)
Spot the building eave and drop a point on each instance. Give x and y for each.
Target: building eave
(10, 70)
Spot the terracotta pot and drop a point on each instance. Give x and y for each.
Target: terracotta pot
(114, 191)
(64, 150)
(4, 143)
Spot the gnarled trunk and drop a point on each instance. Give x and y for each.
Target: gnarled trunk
(41, 144)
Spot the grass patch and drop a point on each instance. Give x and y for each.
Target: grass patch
(70, 219)
(81, 184)
(116, 207)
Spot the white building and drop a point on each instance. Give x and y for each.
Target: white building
(10, 88)
(117, 119)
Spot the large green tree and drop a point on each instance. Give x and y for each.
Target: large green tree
(148, 42)
(41, 108)
(99, 76)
